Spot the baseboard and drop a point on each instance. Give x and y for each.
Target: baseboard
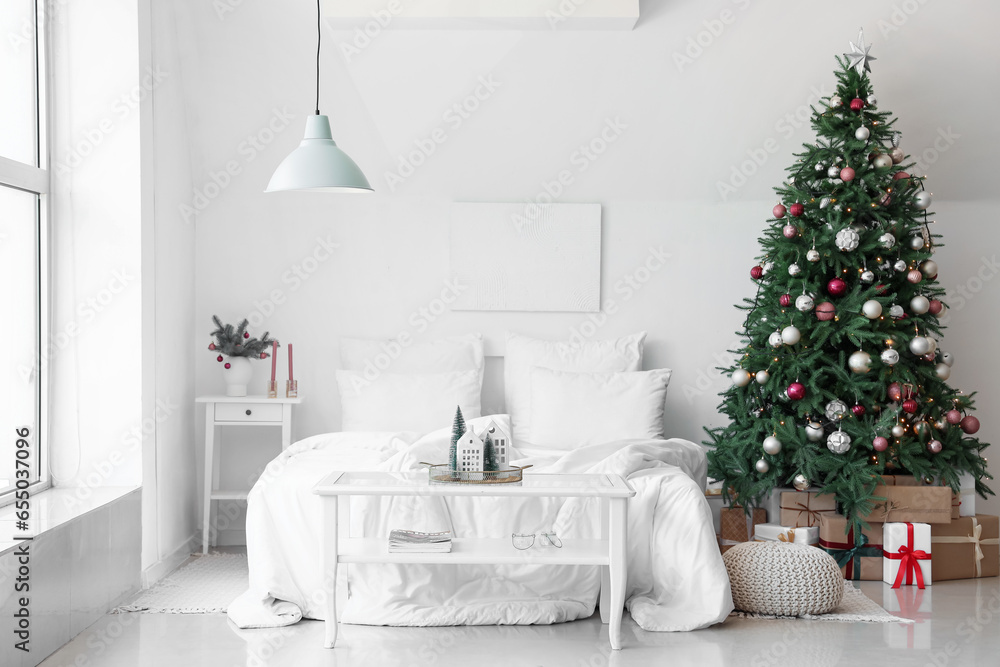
(169, 563)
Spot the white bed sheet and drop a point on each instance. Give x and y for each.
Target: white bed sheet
(676, 577)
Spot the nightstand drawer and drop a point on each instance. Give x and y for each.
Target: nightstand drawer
(247, 412)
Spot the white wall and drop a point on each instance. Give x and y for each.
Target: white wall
(686, 128)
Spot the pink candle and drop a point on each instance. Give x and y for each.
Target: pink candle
(274, 360)
(290, 375)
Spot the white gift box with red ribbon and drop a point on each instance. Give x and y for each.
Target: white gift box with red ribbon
(906, 554)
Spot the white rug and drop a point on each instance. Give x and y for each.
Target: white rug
(206, 585)
(855, 607)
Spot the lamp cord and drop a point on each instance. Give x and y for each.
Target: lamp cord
(319, 41)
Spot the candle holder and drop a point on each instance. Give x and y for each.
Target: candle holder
(272, 389)
(291, 388)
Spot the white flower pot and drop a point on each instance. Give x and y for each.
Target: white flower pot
(237, 376)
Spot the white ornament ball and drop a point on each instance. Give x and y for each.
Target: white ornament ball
(791, 335)
(833, 172)
(848, 239)
(804, 303)
(741, 377)
(836, 410)
(766, 267)
(762, 377)
(900, 265)
(859, 362)
(872, 100)
(772, 445)
(887, 240)
(824, 202)
(872, 309)
(920, 346)
(890, 357)
(794, 269)
(882, 161)
(775, 339)
(835, 101)
(800, 482)
(895, 311)
(897, 155)
(898, 430)
(820, 166)
(943, 371)
(919, 304)
(916, 242)
(929, 268)
(867, 276)
(948, 359)
(762, 466)
(933, 344)
(922, 200)
(838, 442)
(862, 133)
(814, 431)
(812, 255)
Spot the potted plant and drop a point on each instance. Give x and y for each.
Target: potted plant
(235, 349)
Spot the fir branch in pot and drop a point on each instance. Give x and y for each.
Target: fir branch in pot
(237, 341)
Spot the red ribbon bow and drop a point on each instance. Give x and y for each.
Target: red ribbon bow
(908, 558)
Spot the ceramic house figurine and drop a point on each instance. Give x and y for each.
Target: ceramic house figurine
(470, 452)
(501, 444)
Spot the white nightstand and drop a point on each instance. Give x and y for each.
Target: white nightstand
(242, 411)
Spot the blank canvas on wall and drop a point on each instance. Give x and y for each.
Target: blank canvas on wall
(527, 257)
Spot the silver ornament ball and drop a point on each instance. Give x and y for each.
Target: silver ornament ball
(762, 466)
(774, 340)
(943, 371)
(794, 269)
(838, 442)
(800, 482)
(920, 346)
(898, 430)
(890, 357)
(916, 242)
(872, 309)
(804, 303)
(772, 445)
(882, 161)
(887, 240)
(812, 255)
(895, 311)
(900, 265)
(862, 133)
(762, 377)
(836, 410)
(859, 362)
(923, 200)
(897, 155)
(833, 171)
(948, 359)
(867, 276)
(791, 335)
(741, 377)
(814, 431)
(929, 268)
(919, 304)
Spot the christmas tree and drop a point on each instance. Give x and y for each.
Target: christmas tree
(489, 454)
(457, 431)
(840, 379)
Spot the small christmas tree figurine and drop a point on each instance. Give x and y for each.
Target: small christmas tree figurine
(840, 378)
(237, 342)
(457, 431)
(489, 454)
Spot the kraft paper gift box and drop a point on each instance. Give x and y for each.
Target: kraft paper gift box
(859, 555)
(773, 532)
(737, 526)
(910, 504)
(899, 480)
(913, 603)
(966, 548)
(804, 508)
(906, 554)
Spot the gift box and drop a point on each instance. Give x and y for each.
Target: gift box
(913, 603)
(967, 494)
(910, 504)
(804, 509)
(906, 552)
(773, 532)
(737, 526)
(858, 555)
(899, 480)
(966, 548)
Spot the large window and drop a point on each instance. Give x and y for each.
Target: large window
(24, 184)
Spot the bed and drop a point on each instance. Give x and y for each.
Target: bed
(676, 577)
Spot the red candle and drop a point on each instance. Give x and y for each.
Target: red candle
(274, 360)
(291, 376)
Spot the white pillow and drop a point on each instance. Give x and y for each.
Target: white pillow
(596, 356)
(395, 402)
(446, 355)
(570, 410)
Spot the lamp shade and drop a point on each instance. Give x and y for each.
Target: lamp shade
(318, 164)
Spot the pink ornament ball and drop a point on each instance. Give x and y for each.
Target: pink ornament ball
(219, 358)
(778, 211)
(858, 410)
(246, 334)
(900, 175)
(895, 392)
(914, 276)
(228, 365)
(953, 417)
(880, 444)
(263, 355)
(847, 174)
(796, 391)
(825, 311)
(790, 231)
(936, 307)
(970, 425)
(211, 346)
(836, 287)
(935, 446)
(757, 272)
(857, 104)
(796, 209)
(785, 300)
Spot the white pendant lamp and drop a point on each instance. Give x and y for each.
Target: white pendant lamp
(318, 164)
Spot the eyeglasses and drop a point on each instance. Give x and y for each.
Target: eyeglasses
(523, 541)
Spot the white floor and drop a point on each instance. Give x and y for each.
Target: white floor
(961, 626)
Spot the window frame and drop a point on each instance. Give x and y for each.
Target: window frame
(35, 179)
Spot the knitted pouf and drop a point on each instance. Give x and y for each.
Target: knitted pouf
(782, 579)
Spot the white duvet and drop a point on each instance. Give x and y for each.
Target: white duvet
(676, 577)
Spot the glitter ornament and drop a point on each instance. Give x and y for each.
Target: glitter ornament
(914, 276)
(825, 311)
(895, 392)
(970, 425)
(953, 417)
(790, 231)
(778, 211)
(935, 446)
(833, 172)
(804, 303)
(887, 240)
(880, 444)
(796, 209)
(847, 175)
(812, 255)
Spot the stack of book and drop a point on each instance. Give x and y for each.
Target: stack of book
(410, 541)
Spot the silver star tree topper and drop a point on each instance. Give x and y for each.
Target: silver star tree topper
(858, 57)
